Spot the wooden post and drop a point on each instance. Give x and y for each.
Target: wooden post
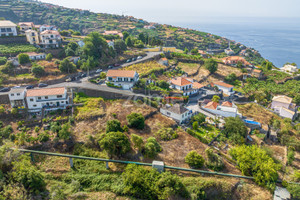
(71, 162)
(31, 157)
(107, 167)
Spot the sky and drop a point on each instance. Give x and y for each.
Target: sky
(170, 11)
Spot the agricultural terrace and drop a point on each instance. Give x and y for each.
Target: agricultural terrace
(16, 48)
(189, 68)
(146, 68)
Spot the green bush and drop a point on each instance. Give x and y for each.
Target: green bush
(3, 60)
(166, 134)
(49, 57)
(2, 109)
(136, 120)
(65, 132)
(151, 148)
(214, 161)
(235, 130)
(23, 58)
(43, 137)
(115, 143)
(37, 70)
(113, 126)
(194, 160)
(6, 131)
(137, 141)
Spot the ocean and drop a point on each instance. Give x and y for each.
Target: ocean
(278, 40)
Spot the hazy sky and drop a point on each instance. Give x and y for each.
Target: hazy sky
(168, 11)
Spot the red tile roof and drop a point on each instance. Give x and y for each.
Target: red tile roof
(180, 81)
(120, 73)
(223, 84)
(50, 32)
(227, 103)
(212, 105)
(197, 85)
(164, 59)
(46, 92)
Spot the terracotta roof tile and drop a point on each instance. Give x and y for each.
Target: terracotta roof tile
(45, 92)
(223, 84)
(227, 104)
(180, 81)
(50, 32)
(212, 105)
(197, 85)
(120, 73)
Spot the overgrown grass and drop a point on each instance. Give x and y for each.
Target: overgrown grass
(147, 68)
(16, 48)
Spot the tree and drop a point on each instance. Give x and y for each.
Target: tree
(113, 126)
(195, 51)
(254, 161)
(129, 42)
(115, 143)
(49, 57)
(166, 134)
(95, 45)
(142, 37)
(137, 141)
(194, 160)
(195, 125)
(120, 46)
(37, 70)
(65, 132)
(23, 58)
(163, 84)
(102, 75)
(216, 99)
(186, 51)
(139, 44)
(70, 52)
(231, 78)
(211, 65)
(235, 130)
(297, 99)
(3, 60)
(200, 118)
(214, 161)
(125, 35)
(8, 68)
(152, 147)
(136, 120)
(67, 66)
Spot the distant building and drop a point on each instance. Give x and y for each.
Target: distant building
(8, 28)
(50, 39)
(24, 26)
(17, 97)
(177, 112)
(234, 60)
(226, 88)
(284, 107)
(81, 43)
(123, 78)
(36, 56)
(47, 98)
(289, 69)
(46, 27)
(113, 33)
(224, 109)
(253, 72)
(164, 61)
(32, 36)
(186, 85)
(111, 43)
(74, 59)
(149, 27)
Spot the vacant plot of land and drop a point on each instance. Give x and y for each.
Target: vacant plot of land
(146, 68)
(189, 68)
(16, 48)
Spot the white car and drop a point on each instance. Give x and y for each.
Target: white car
(139, 58)
(99, 70)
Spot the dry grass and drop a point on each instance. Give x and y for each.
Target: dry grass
(145, 68)
(189, 68)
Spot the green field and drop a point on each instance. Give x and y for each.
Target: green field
(16, 48)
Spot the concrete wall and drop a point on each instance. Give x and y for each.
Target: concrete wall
(13, 40)
(4, 99)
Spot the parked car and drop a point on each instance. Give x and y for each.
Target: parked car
(68, 80)
(128, 61)
(139, 57)
(83, 75)
(117, 65)
(16, 87)
(40, 85)
(99, 70)
(110, 67)
(28, 87)
(5, 89)
(133, 59)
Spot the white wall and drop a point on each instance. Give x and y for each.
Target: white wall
(226, 90)
(6, 33)
(180, 118)
(36, 103)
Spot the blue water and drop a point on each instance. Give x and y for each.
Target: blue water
(278, 40)
(251, 122)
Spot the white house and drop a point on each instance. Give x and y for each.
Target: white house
(289, 69)
(17, 97)
(8, 28)
(226, 109)
(226, 88)
(177, 112)
(74, 59)
(186, 85)
(24, 26)
(46, 27)
(111, 43)
(284, 107)
(36, 56)
(125, 79)
(81, 43)
(50, 39)
(47, 98)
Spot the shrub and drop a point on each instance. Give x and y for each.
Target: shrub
(151, 148)
(235, 130)
(64, 132)
(136, 120)
(2, 109)
(36, 129)
(137, 141)
(6, 131)
(166, 134)
(214, 161)
(194, 160)
(290, 155)
(37, 70)
(23, 58)
(200, 118)
(43, 137)
(113, 126)
(49, 57)
(3, 60)
(102, 75)
(14, 111)
(211, 65)
(115, 143)
(195, 125)
(125, 128)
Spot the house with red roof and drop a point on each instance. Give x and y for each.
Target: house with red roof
(222, 109)
(186, 85)
(226, 88)
(234, 60)
(122, 78)
(24, 26)
(50, 39)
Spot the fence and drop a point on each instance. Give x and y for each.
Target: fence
(71, 157)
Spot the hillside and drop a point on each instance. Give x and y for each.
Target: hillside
(86, 22)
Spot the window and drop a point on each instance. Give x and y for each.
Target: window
(125, 79)
(3, 30)
(62, 102)
(168, 113)
(119, 79)
(18, 94)
(59, 96)
(31, 99)
(182, 116)
(9, 30)
(12, 95)
(46, 97)
(39, 98)
(34, 105)
(110, 78)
